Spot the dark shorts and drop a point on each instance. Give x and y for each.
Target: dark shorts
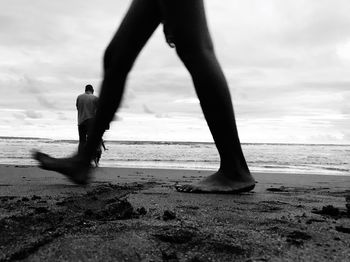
(167, 28)
(84, 128)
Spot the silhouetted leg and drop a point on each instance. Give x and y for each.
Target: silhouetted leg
(83, 133)
(138, 25)
(194, 47)
(82, 136)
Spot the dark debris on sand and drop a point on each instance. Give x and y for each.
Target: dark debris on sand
(176, 235)
(343, 229)
(119, 209)
(276, 189)
(328, 211)
(297, 237)
(168, 215)
(141, 211)
(331, 211)
(35, 197)
(169, 256)
(347, 205)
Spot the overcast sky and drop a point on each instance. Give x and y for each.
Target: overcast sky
(287, 63)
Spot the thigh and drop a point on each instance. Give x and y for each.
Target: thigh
(187, 22)
(82, 128)
(139, 23)
(89, 125)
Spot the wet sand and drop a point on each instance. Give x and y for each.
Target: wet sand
(135, 215)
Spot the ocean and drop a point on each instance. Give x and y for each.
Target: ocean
(276, 158)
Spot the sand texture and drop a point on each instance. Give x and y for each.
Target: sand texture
(136, 215)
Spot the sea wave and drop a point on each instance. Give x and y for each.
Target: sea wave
(286, 158)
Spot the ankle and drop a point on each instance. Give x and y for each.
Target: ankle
(82, 159)
(234, 166)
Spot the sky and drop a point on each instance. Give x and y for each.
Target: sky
(286, 62)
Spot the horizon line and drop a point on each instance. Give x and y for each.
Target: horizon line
(174, 141)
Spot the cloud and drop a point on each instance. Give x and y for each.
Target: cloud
(62, 116)
(147, 110)
(191, 100)
(117, 118)
(33, 114)
(19, 116)
(160, 115)
(36, 87)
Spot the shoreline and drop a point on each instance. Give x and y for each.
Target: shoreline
(275, 172)
(135, 214)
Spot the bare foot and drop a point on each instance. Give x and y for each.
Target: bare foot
(220, 183)
(73, 168)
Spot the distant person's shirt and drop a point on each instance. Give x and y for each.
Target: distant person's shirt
(86, 106)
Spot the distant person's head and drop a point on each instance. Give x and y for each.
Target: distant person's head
(89, 88)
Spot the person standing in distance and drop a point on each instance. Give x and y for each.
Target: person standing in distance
(86, 106)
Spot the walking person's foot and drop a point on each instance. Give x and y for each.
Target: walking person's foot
(221, 183)
(74, 168)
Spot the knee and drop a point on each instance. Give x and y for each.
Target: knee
(194, 54)
(107, 59)
(114, 61)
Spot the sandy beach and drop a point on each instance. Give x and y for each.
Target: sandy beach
(130, 214)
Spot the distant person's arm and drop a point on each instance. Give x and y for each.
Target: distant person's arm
(96, 103)
(103, 145)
